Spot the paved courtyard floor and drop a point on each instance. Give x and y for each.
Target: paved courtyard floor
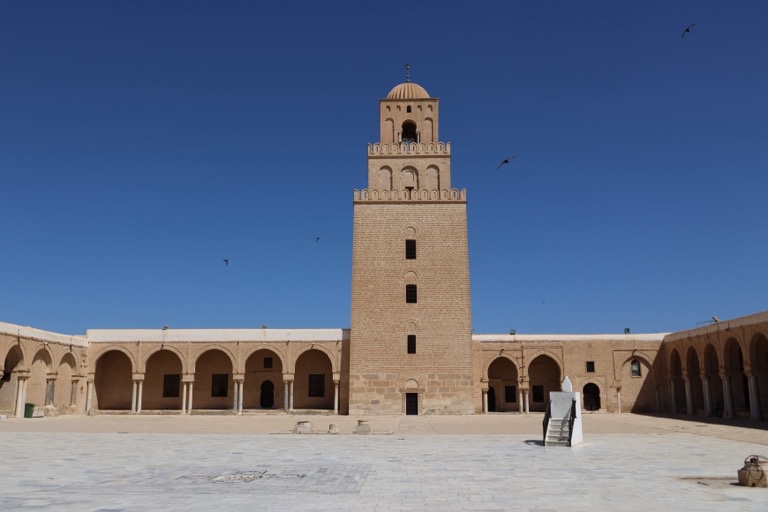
(154, 463)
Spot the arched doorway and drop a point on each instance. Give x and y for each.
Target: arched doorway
(544, 374)
(39, 388)
(113, 381)
(9, 380)
(502, 380)
(262, 366)
(491, 399)
(162, 387)
(214, 387)
(759, 363)
(267, 396)
(737, 379)
(712, 371)
(694, 378)
(313, 383)
(591, 397)
(676, 382)
(66, 385)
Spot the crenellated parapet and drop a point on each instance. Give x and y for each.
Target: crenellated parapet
(453, 195)
(414, 148)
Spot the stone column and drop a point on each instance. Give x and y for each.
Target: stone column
(525, 400)
(88, 394)
(290, 397)
(50, 390)
(754, 399)
(186, 402)
(335, 396)
(673, 388)
(485, 401)
(729, 411)
(285, 396)
(520, 406)
(707, 390)
(237, 381)
(191, 388)
(618, 400)
(21, 394)
(688, 395)
(73, 393)
(139, 396)
(133, 396)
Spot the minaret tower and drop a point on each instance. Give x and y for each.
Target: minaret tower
(410, 337)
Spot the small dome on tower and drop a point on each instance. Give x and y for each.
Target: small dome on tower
(407, 91)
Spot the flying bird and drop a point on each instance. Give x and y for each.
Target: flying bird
(226, 262)
(687, 29)
(317, 239)
(506, 161)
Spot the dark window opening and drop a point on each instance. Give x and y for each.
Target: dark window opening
(408, 109)
(412, 404)
(635, 368)
(410, 293)
(510, 394)
(410, 249)
(267, 362)
(171, 384)
(409, 132)
(590, 367)
(411, 343)
(538, 394)
(316, 385)
(219, 384)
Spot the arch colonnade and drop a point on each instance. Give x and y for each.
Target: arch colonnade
(720, 370)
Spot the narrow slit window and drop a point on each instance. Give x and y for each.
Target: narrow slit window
(410, 249)
(411, 343)
(410, 294)
(590, 367)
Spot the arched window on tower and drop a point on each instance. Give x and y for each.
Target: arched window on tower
(409, 132)
(635, 368)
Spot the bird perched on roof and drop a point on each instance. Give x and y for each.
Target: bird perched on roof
(687, 29)
(506, 161)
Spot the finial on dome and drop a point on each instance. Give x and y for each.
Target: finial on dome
(407, 73)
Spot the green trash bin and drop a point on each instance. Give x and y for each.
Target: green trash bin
(29, 409)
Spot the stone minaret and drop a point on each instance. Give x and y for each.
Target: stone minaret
(411, 326)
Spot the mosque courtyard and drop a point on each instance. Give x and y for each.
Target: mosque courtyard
(494, 462)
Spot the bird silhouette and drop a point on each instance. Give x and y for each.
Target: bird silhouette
(317, 239)
(226, 262)
(687, 29)
(506, 161)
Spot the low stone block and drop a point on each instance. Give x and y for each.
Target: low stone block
(303, 427)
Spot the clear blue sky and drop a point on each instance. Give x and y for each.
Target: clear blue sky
(141, 143)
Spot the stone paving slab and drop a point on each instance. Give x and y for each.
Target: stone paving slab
(409, 463)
